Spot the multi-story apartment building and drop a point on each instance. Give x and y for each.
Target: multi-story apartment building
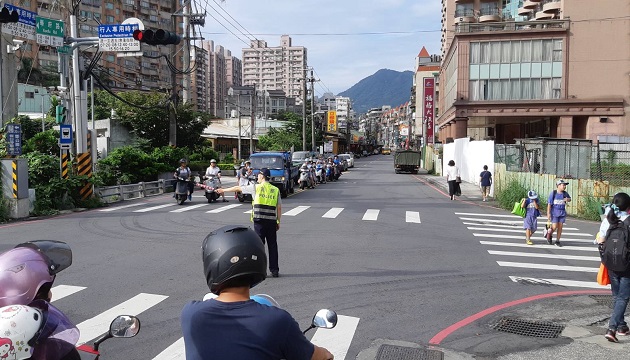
(538, 68)
(200, 78)
(276, 68)
(233, 70)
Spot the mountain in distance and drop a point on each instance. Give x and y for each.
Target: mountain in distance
(384, 87)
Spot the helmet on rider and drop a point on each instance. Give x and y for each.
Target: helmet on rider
(213, 161)
(28, 271)
(183, 161)
(233, 256)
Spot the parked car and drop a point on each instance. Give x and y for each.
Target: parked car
(386, 151)
(348, 158)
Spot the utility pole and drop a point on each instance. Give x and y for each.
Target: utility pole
(304, 112)
(172, 116)
(79, 121)
(238, 151)
(252, 122)
(186, 51)
(312, 79)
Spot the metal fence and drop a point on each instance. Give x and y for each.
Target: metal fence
(133, 191)
(570, 159)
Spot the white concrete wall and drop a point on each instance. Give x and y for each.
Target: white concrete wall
(470, 157)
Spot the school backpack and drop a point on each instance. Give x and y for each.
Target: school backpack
(615, 252)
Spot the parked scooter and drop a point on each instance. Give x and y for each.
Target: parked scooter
(181, 190)
(123, 326)
(211, 184)
(320, 173)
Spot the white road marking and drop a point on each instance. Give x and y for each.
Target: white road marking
(516, 226)
(61, 291)
(92, 328)
(175, 351)
(248, 211)
(547, 256)
(295, 211)
(371, 214)
(122, 207)
(333, 213)
(533, 238)
(569, 283)
(188, 208)
(523, 231)
(338, 339)
(535, 246)
(223, 208)
(510, 222)
(495, 215)
(412, 217)
(154, 208)
(548, 267)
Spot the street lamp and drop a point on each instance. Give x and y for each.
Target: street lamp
(42, 109)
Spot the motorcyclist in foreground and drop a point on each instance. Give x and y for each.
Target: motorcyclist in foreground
(233, 326)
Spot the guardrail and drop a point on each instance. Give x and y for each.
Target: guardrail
(133, 191)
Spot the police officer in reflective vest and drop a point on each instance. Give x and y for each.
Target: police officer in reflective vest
(266, 212)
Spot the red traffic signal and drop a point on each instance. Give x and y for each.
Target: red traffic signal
(157, 37)
(8, 17)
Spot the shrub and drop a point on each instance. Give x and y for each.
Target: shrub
(510, 194)
(127, 165)
(44, 142)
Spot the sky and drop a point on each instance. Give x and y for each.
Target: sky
(346, 40)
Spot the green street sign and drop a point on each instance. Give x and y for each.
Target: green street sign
(63, 49)
(50, 27)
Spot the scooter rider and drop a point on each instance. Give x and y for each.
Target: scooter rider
(232, 326)
(214, 170)
(184, 172)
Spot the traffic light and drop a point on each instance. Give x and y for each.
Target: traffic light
(8, 17)
(60, 114)
(157, 37)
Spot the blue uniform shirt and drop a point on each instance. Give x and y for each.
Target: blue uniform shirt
(558, 206)
(241, 330)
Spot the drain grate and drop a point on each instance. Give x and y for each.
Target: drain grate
(393, 352)
(606, 300)
(538, 329)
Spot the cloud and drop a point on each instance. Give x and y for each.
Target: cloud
(347, 40)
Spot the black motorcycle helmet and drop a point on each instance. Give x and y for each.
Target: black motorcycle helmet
(233, 256)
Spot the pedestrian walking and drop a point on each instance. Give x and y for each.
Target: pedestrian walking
(619, 280)
(453, 179)
(530, 223)
(556, 210)
(485, 181)
(266, 213)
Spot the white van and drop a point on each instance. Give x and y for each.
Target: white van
(301, 156)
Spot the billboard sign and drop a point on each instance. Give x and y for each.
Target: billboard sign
(429, 107)
(25, 27)
(332, 121)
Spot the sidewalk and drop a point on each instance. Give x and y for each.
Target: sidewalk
(470, 192)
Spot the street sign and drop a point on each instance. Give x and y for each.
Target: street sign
(14, 139)
(64, 49)
(332, 121)
(49, 31)
(118, 37)
(25, 27)
(65, 134)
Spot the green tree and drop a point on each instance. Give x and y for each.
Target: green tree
(289, 135)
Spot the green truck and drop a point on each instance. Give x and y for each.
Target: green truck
(407, 161)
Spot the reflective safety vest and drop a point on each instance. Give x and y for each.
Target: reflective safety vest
(265, 201)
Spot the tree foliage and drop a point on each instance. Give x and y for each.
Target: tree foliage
(289, 135)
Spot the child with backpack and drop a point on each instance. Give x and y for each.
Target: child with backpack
(530, 223)
(556, 210)
(614, 250)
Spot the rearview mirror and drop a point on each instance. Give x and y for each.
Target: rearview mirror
(325, 318)
(125, 326)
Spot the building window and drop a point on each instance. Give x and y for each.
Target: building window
(29, 95)
(109, 19)
(516, 70)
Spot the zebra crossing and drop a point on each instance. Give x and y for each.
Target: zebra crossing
(337, 340)
(407, 216)
(575, 264)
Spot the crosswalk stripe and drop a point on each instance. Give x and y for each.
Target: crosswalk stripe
(248, 211)
(546, 256)
(98, 325)
(533, 238)
(175, 351)
(548, 266)
(515, 226)
(61, 291)
(332, 213)
(223, 208)
(510, 222)
(569, 283)
(153, 208)
(535, 246)
(188, 208)
(122, 207)
(338, 339)
(371, 215)
(495, 215)
(295, 211)
(412, 217)
(523, 231)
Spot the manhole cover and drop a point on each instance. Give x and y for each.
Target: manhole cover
(393, 352)
(538, 329)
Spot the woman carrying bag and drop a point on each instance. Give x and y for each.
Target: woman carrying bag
(453, 180)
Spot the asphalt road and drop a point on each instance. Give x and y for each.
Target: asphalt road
(390, 253)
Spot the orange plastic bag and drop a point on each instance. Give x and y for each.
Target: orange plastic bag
(602, 275)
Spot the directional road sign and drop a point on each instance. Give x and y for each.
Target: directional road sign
(14, 139)
(25, 27)
(65, 136)
(118, 37)
(49, 31)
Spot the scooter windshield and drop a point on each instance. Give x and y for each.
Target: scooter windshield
(58, 335)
